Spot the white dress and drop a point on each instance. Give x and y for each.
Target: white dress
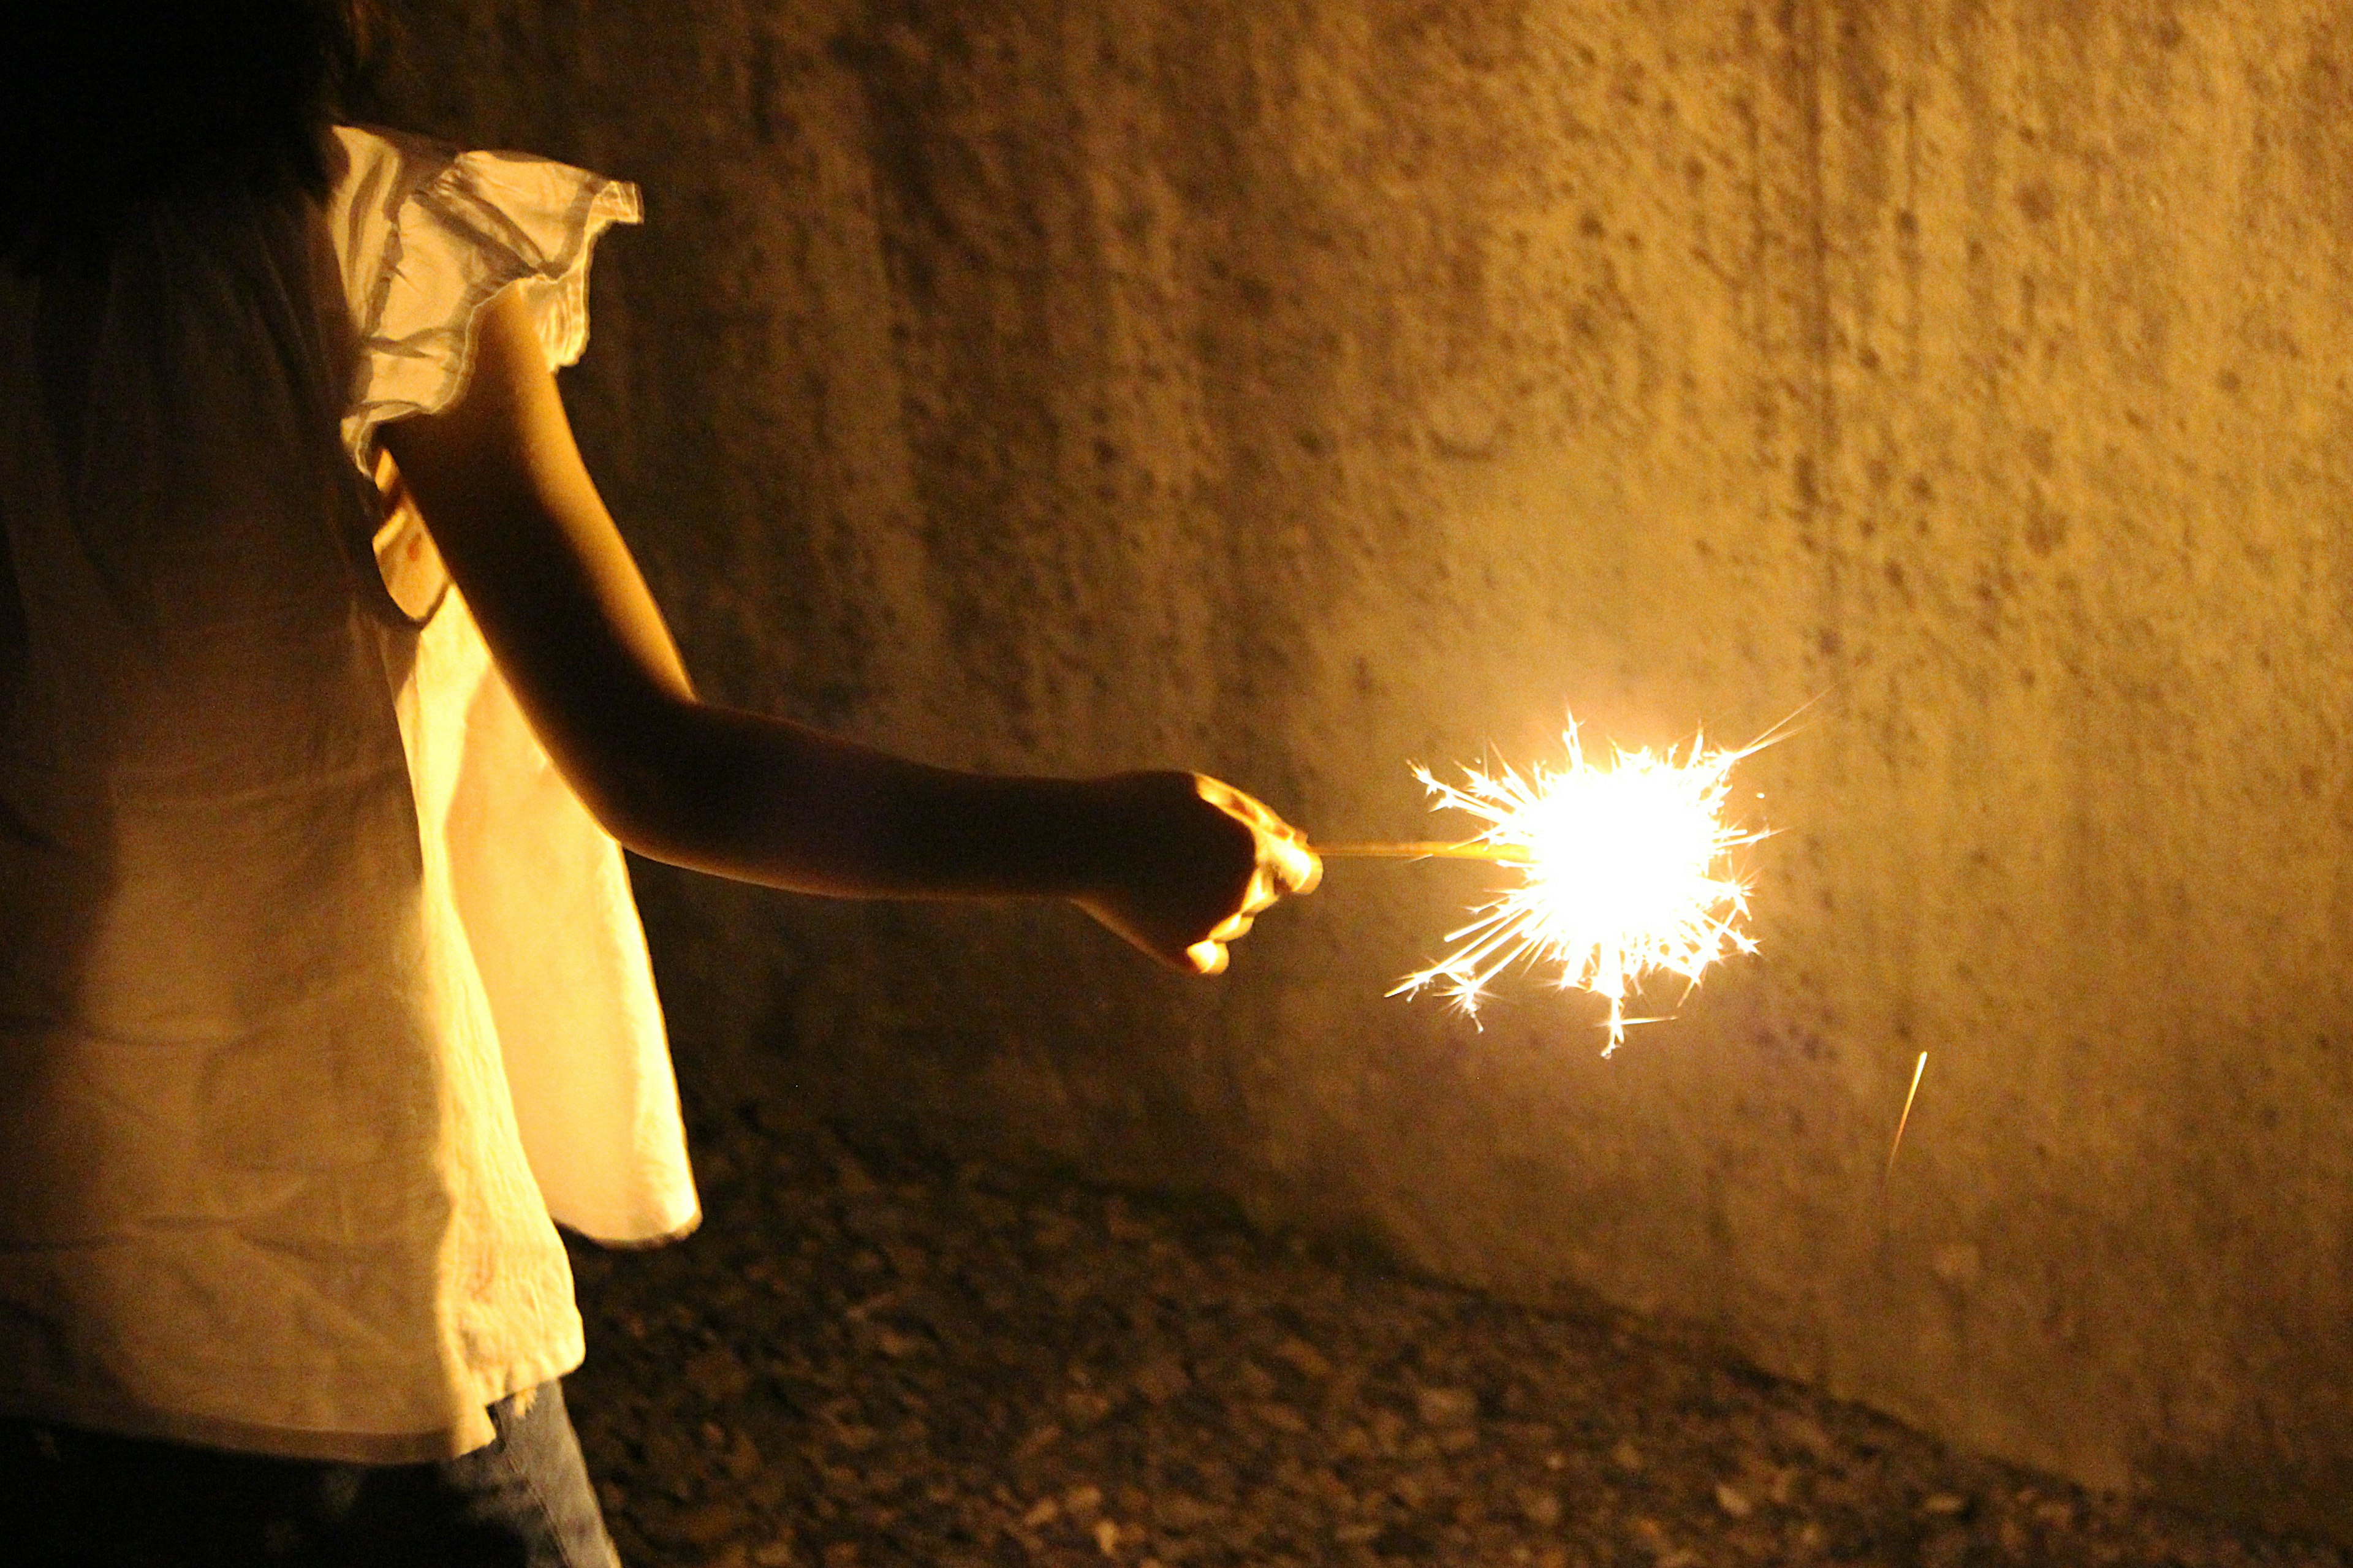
(320, 994)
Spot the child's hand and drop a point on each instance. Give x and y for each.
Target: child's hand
(1191, 862)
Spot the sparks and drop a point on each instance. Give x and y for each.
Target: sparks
(1622, 872)
(1904, 1121)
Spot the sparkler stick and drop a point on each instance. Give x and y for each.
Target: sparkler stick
(1621, 871)
(1424, 849)
(1917, 1069)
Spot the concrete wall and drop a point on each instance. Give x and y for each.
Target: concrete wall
(1297, 387)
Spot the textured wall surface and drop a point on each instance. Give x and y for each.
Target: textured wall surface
(1295, 387)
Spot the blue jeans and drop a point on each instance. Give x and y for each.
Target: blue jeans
(73, 1498)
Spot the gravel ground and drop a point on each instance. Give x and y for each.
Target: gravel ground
(913, 1363)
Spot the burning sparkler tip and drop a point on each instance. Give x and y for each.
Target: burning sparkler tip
(1620, 866)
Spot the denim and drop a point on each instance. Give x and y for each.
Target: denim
(73, 1498)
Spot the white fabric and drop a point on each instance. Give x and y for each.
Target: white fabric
(318, 990)
(425, 240)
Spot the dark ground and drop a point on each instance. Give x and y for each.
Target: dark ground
(906, 1362)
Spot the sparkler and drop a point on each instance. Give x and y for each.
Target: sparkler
(1621, 871)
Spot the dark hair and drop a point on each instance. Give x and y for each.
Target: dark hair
(108, 104)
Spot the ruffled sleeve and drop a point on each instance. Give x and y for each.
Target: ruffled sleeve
(426, 236)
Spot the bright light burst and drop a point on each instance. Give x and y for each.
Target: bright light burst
(1623, 871)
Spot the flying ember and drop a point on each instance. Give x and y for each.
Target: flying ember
(1622, 870)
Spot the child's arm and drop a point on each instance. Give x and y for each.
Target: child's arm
(1175, 863)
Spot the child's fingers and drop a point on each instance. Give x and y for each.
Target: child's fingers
(1299, 868)
(1286, 863)
(1261, 893)
(1207, 957)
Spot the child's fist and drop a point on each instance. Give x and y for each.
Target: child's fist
(1190, 862)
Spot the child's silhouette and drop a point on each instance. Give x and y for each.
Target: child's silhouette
(319, 990)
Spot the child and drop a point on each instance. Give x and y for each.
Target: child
(320, 988)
